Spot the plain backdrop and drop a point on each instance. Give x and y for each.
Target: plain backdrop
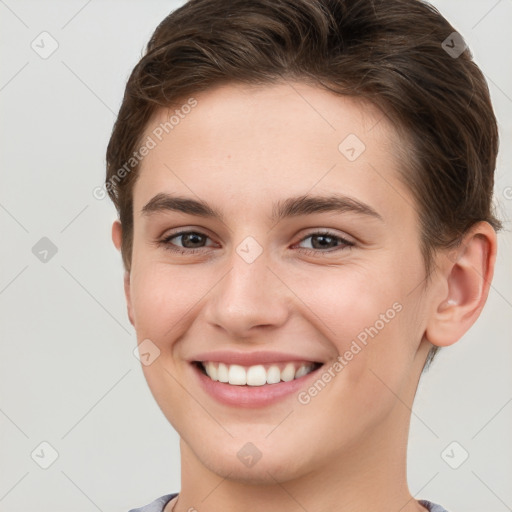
(72, 393)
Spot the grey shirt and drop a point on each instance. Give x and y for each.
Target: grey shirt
(159, 504)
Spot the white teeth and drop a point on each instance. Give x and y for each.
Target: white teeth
(288, 373)
(211, 370)
(237, 375)
(257, 375)
(222, 372)
(273, 375)
(303, 370)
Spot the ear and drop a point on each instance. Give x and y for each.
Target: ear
(117, 232)
(463, 280)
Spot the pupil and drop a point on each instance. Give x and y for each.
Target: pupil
(322, 237)
(190, 238)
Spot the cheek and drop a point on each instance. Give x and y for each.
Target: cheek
(164, 300)
(367, 317)
(349, 304)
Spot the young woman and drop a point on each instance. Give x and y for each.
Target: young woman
(304, 193)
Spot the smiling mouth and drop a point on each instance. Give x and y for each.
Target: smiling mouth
(256, 375)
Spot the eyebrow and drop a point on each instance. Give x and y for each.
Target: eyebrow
(290, 207)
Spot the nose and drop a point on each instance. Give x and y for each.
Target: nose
(249, 299)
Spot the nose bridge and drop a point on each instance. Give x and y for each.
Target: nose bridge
(249, 295)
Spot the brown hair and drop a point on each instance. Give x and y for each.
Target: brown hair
(400, 55)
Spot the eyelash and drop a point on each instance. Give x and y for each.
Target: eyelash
(343, 243)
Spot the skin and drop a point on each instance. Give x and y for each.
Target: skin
(241, 149)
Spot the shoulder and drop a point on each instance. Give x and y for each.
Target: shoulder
(432, 507)
(157, 505)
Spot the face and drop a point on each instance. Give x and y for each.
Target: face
(276, 248)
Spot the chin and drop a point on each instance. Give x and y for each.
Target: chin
(242, 461)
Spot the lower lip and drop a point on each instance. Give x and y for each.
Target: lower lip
(251, 396)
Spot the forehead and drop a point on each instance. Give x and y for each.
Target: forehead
(261, 142)
(242, 111)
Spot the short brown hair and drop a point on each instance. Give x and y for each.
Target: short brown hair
(392, 53)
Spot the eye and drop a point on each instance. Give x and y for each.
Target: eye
(325, 241)
(191, 242)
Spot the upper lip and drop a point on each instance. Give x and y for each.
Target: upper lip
(250, 358)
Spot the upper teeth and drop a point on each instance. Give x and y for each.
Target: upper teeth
(256, 375)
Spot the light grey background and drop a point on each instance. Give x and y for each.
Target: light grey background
(68, 376)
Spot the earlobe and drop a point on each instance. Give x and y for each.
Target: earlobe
(464, 281)
(117, 234)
